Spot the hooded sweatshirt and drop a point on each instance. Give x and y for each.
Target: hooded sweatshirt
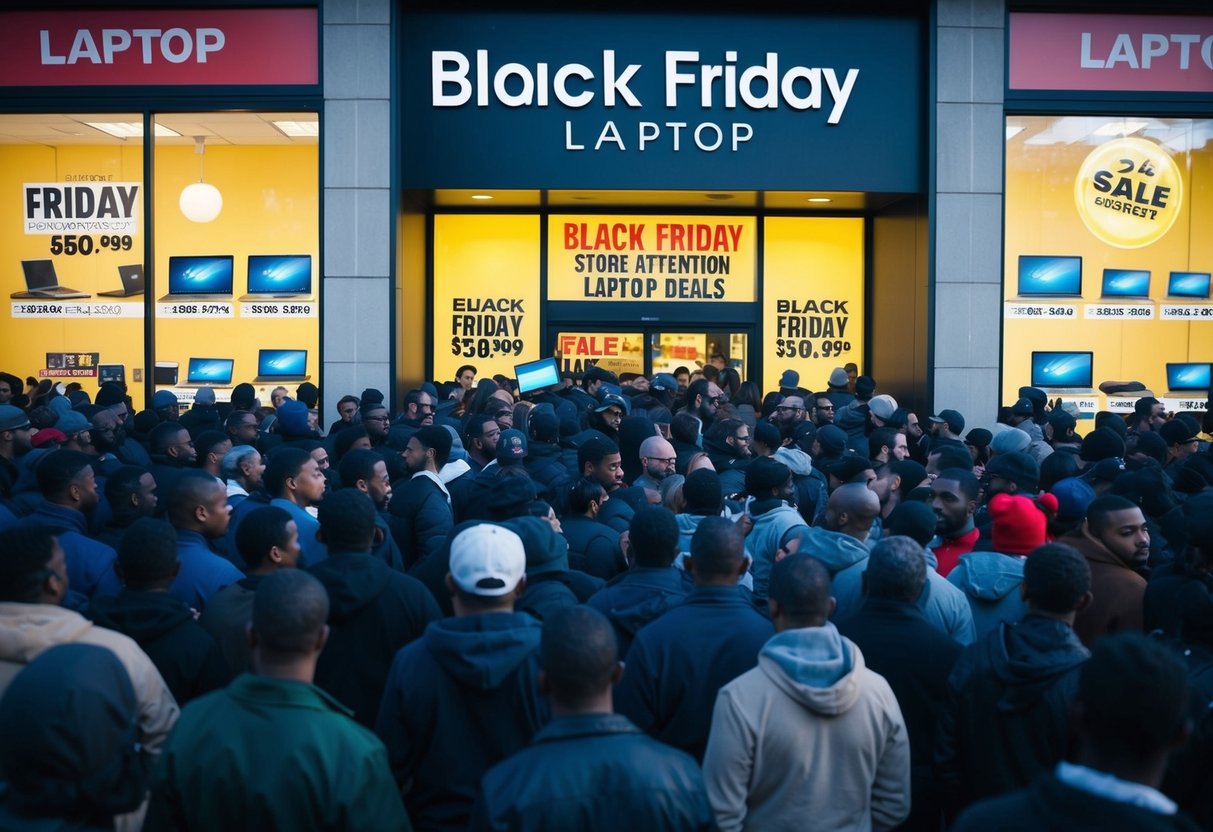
(991, 582)
(810, 732)
(810, 484)
(458, 701)
(185, 654)
(373, 612)
(1008, 715)
(846, 558)
(773, 527)
(638, 596)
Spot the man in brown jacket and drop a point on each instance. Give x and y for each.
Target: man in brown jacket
(1115, 542)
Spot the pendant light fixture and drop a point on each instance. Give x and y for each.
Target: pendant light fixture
(199, 201)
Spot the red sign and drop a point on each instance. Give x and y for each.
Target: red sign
(1140, 53)
(159, 47)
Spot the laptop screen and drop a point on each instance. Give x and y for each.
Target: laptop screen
(132, 276)
(210, 370)
(1188, 285)
(1126, 283)
(1050, 275)
(39, 274)
(272, 273)
(534, 375)
(282, 362)
(200, 275)
(1188, 377)
(1061, 369)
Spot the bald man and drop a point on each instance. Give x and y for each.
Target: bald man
(657, 459)
(840, 543)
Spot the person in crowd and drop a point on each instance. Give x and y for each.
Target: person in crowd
(480, 440)
(775, 520)
(212, 446)
(810, 732)
(295, 484)
(131, 494)
(954, 494)
(589, 768)
(268, 540)
(376, 422)
(593, 546)
(840, 542)
(678, 663)
(373, 609)
(420, 508)
(419, 410)
(465, 695)
(198, 510)
(366, 471)
(241, 470)
(658, 460)
(1115, 541)
(289, 756)
(172, 453)
(347, 409)
(241, 428)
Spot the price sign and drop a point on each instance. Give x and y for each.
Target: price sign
(1118, 312)
(1121, 404)
(1185, 405)
(206, 309)
(1041, 311)
(75, 309)
(1185, 312)
(278, 309)
(806, 348)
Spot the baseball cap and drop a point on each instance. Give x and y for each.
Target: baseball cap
(204, 396)
(979, 438)
(12, 418)
(511, 445)
(865, 386)
(487, 560)
(847, 466)
(790, 380)
(72, 423)
(1018, 467)
(1023, 407)
(883, 405)
(163, 398)
(839, 377)
(611, 400)
(1176, 432)
(952, 418)
(664, 382)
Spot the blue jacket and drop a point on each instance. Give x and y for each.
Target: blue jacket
(313, 550)
(459, 700)
(203, 573)
(771, 530)
(639, 596)
(990, 581)
(90, 563)
(594, 772)
(678, 663)
(846, 558)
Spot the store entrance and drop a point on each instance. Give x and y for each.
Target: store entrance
(647, 350)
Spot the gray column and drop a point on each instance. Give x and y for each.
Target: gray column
(969, 148)
(357, 217)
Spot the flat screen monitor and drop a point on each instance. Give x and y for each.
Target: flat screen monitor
(535, 375)
(1126, 283)
(1188, 377)
(195, 275)
(1050, 275)
(270, 274)
(1061, 369)
(1188, 285)
(209, 370)
(281, 363)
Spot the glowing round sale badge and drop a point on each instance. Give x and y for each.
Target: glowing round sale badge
(1129, 192)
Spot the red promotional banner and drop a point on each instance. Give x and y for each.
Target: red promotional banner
(1140, 53)
(159, 47)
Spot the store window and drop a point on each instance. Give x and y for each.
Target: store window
(73, 236)
(1108, 260)
(236, 277)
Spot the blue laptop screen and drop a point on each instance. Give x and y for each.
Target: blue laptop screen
(1061, 369)
(1047, 275)
(1126, 283)
(1185, 377)
(1188, 285)
(217, 370)
(272, 273)
(200, 275)
(534, 375)
(282, 363)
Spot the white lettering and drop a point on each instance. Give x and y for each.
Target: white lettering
(1185, 43)
(209, 40)
(649, 131)
(146, 36)
(114, 40)
(560, 81)
(769, 74)
(610, 133)
(613, 86)
(48, 59)
(1122, 52)
(841, 94)
(166, 45)
(788, 87)
(673, 78)
(568, 138)
(707, 125)
(84, 47)
(441, 75)
(742, 132)
(1086, 61)
(1153, 46)
(523, 98)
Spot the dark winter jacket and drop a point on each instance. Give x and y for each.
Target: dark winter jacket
(638, 597)
(420, 518)
(593, 546)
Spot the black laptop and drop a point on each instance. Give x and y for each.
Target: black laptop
(42, 283)
(132, 282)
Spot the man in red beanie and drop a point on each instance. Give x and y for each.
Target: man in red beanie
(990, 580)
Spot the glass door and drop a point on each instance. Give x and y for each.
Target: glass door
(623, 349)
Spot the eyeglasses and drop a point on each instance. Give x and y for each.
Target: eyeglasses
(376, 419)
(667, 461)
(825, 407)
(789, 409)
(426, 408)
(745, 438)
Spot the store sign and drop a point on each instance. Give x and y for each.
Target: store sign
(1128, 52)
(651, 258)
(645, 101)
(619, 352)
(159, 47)
(80, 207)
(1129, 192)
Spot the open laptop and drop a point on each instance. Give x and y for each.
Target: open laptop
(1188, 285)
(132, 282)
(536, 375)
(208, 372)
(1188, 378)
(1049, 276)
(279, 276)
(199, 278)
(1062, 372)
(281, 365)
(42, 283)
(1125, 284)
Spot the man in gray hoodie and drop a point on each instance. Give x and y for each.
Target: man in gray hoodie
(839, 542)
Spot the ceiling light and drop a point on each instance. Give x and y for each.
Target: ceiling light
(199, 201)
(1013, 130)
(482, 196)
(297, 129)
(818, 199)
(1120, 128)
(130, 129)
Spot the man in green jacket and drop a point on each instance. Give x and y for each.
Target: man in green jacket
(272, 751)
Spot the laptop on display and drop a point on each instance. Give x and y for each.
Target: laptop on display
(132, 282)
(1126, 284)
(281, 276)
(1188, 285)
(535, 375)
(199, 278)
(1188, 378)
(42, 283)
(282, 365)
(1062, 372)
(1049, 276)
(209, 372)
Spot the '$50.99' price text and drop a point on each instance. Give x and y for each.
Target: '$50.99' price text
(485, 347)
(69, 244)
(804, 348)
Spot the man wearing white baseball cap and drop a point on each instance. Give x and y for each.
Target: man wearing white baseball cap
(465, 695)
